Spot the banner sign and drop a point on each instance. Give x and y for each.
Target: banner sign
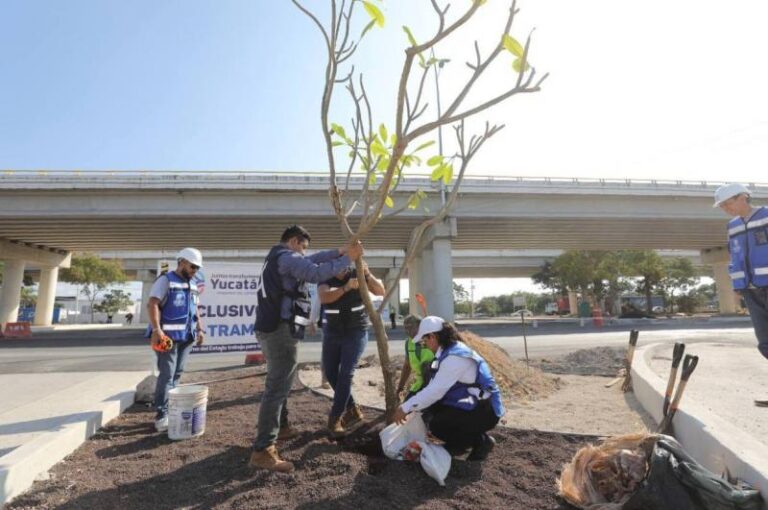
(228, 306)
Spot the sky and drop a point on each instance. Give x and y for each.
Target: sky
(641, 90)
(666, 90)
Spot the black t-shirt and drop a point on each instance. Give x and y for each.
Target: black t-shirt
(350, 316)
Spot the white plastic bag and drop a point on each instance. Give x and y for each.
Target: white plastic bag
(396, 437)
(435, 460)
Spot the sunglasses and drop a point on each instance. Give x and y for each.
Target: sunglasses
(193, 267)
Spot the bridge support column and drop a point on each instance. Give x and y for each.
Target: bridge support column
(414, 285)
(46, 296)
(147, 278)
(441, 292)
(719, 259)
(390, 281)
(728, 301)
(10, 295)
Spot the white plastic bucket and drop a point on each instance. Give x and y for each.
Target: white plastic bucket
(186, 411)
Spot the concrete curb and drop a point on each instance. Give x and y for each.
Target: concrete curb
(22, 466)
(75, 327)
(712, 441)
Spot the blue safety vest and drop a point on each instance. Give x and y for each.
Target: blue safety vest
(467, 396)
(177, 311)
(270, 296)
(748, 246)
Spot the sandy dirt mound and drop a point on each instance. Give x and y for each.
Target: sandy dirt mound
(126, 465)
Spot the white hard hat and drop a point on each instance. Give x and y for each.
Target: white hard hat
(191, 255)
(727, 191)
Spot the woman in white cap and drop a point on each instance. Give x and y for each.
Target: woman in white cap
(748, 248)
(462, 396)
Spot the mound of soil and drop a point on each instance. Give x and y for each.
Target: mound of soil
(602, 361)
(126, 465)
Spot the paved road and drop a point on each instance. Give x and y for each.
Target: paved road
(126, 350)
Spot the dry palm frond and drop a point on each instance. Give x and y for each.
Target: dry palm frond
(605, 476)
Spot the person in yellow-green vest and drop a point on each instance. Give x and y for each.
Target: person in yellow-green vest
(417, 359)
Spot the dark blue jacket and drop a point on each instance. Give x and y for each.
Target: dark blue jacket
(283, 280)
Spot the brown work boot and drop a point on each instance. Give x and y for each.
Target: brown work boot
(269, 459)
(352, 416)
(287, 432)
(335, 427)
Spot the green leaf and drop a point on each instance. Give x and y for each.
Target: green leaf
(338, 130)
(393, 140)
(336, 143)
(447, 174)
(367, 28)
(372, 180)
(437, 173)
(517, 65)
(377, 149)
(424, 145)
(389, 202)
(512, 46)
(411, 39)
(374, 13)
(382, 165)
(414, 200)
(435, 160)
(383, 132)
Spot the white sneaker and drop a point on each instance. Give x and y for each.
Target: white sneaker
(161, 425)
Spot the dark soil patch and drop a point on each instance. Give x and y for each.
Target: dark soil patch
(129, 466)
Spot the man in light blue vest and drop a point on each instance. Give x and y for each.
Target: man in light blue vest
(748, 248)
(173, 316)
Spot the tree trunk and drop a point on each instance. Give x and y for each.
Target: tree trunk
(382, 343)
(648, 298)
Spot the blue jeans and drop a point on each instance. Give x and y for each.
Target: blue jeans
(280, 350)
(170, 366)
(341, 352)
(757, 304)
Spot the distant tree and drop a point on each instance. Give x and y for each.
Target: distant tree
(680, 275)
(548, 278)
(113, 302)
(28, 297)
(649, 267)
(460, 294)
(489, 306)
(94, 275)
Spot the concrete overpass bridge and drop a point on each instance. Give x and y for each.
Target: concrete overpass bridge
(44, 216)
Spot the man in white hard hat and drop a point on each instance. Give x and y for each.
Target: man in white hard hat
(748, 248)
(174, 325)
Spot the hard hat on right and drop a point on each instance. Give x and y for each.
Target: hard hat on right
(727, 191)
(191, 255)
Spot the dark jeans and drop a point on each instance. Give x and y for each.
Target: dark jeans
(170, 366)
(461, 429)
(280, 349)
(757, 304)
(341, 352)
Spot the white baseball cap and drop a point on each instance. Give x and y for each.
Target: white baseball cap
(429, 324)
(727, 191)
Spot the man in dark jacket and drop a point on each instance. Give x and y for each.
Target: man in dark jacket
(282, 313)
